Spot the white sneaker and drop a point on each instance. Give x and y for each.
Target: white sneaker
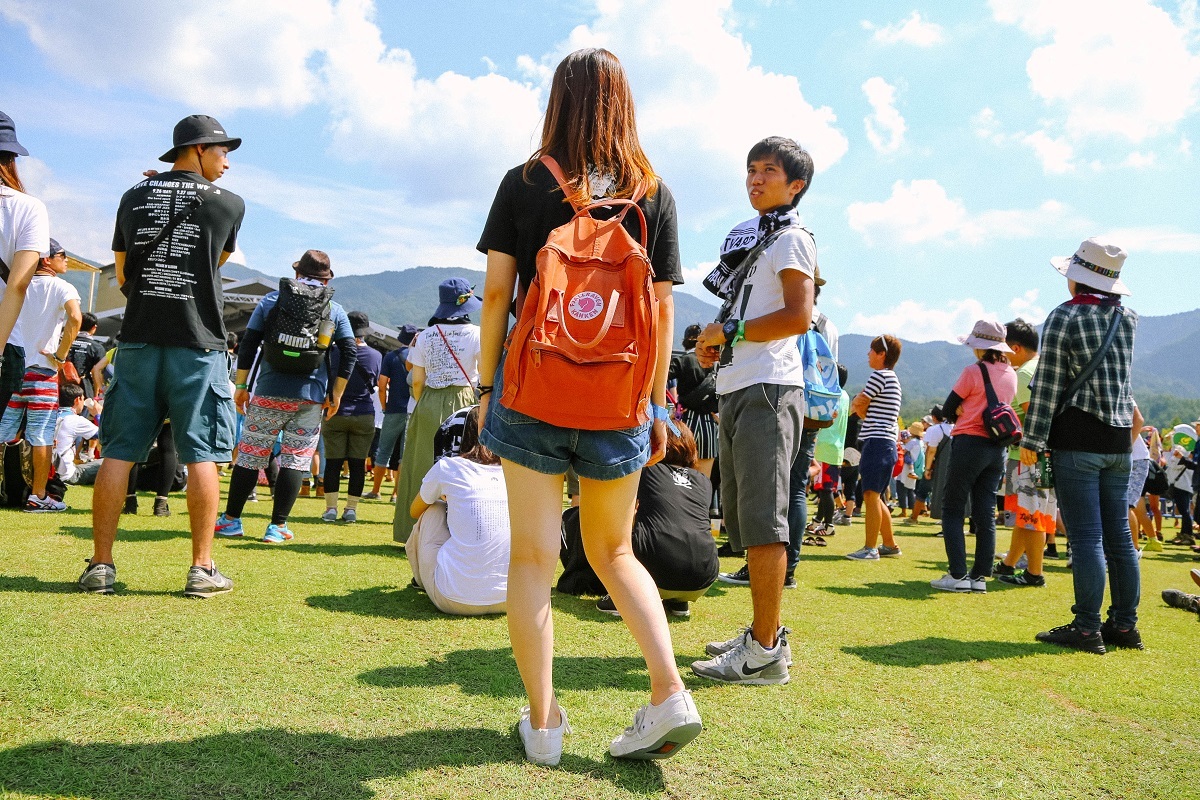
(543, 745)
(949, 583)
(864, 554)
(717, 648)
(978, 585)
(746, 663)
(658, 731)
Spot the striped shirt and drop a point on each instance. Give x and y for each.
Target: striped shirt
(883, 389)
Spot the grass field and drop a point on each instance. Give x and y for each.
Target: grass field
(323, 675)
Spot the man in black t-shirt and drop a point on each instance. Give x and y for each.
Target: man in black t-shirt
(173, 232)
(86, 353)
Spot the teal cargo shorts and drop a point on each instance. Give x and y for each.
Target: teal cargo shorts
(153, 383)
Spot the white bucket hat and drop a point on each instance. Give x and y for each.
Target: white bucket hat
(987, 336)
(1097, 264)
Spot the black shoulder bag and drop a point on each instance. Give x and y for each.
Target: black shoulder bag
(12, 370)
(999, 419)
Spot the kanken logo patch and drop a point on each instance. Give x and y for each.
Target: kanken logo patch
(585, 306)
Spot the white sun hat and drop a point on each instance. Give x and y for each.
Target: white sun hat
(1097, 264)
(987, 335)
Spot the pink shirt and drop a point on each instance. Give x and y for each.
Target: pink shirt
(974, 399)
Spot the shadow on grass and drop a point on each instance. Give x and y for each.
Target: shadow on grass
(494, 673)
(132, 535)
(308, 548)
(388, 602)
(271, 763)
(934, 650)
(28, 583)
(901, 590)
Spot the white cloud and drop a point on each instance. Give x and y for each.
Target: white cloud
(987, 126)
(1139, 160)
(1185, 146)
(885, 127)
(81, 217)
(1055, 153)
(1026, 307)
(915, 321)
(1115, 67)
(1155, 239)
(914, 30)
(920, 211)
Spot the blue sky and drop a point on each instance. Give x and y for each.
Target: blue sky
(959, 145)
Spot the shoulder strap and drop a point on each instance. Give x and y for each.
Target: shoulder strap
(4, 272)
(453, 355)
(743, 269)
(992, 400)
(136, 254)
(1083, 377)
(584, 210)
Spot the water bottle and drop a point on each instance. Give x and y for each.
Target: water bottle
(324, 333)
(1045, 472)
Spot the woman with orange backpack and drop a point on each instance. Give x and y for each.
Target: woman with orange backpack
(585, 232)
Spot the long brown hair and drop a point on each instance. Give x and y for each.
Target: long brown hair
(590, 125)
(8, 172)
(470, 447)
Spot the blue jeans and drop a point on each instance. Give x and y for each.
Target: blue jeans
(975, 474)
(798, 495)
(1091, 490)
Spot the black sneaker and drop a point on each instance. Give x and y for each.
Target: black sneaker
(725, 551)
(741, 577)
(1003, 570)
(1070, 636)
(1050, 552)
(677, 608)
(606, 605)
(1129, 640)
(1022, 578)
(789, 581)
(130, 504)
(161, 509)
(1177, 599)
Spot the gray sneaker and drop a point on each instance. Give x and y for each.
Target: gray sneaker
(98, 578)
(746, 663)
(719, 648)
(204, 583)
(889, 552)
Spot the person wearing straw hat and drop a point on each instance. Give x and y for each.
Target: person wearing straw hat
(1081, 411)
(978, 464)
(445, 369)
(24, 239)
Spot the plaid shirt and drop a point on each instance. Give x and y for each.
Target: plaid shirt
(1072, 334)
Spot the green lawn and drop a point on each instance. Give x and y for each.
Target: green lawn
(324, 675)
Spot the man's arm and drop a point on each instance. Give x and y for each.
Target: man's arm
(792, 320)
(224, 257)
(119, 265)
(71, 328)
(384, 381)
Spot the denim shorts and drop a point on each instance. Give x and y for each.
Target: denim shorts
(152, 383)
(549, 449)
(877, 464)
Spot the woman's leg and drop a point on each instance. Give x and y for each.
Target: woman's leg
(983, 501)
(1077, 483)
(1124, 575)
(535, 517)
(606, 520)
(875, 511)
(1156, 514)
(885, 525)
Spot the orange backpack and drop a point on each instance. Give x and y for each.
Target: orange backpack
(585, 347)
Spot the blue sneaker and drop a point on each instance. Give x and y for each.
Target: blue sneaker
(277, 533)
(228, 527)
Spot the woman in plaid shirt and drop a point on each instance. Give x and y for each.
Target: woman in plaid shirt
(1088, 429)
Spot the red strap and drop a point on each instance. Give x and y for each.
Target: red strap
(438, 328)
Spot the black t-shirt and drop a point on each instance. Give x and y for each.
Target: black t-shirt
(175, 293)
(695, 386)
(86, 353)
(523, 215)
(672, 535)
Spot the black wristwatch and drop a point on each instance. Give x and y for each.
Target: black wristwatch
(730, 330)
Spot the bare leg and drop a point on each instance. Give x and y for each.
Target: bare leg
(874, 510)
(378, 478)
(1018, 546)
(768, 565)
(1035, 547)
(41, 469)
(203, 502)
(107, 500)
(885, 525)
(606, 521)
(535, 516)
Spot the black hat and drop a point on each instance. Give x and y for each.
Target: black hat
(55, 249)
(198, 129)
(313, 264)
(8, 137)
(359, 323)
(407, 334)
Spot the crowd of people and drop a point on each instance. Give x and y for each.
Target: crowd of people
(582, 248)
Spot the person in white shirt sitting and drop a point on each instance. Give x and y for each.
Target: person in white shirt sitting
(72, 428)
(459, 547)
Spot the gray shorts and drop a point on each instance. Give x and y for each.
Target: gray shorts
(1138, 471)
(761, 427)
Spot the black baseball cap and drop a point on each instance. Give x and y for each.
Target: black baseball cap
(199, 129)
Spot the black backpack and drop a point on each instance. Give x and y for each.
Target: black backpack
(293, 341)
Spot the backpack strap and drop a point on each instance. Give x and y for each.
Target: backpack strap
(585, 210)
(453, 355)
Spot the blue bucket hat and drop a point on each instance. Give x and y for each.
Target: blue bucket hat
(456, 298)
(8, 136)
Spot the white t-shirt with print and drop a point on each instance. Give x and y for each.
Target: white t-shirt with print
(777, 361)
(472, 566)
(441, 370)
(39, 327)
(69, 430)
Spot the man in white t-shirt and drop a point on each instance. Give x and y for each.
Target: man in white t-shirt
(760, 381)
(72, 427)
(46, 327)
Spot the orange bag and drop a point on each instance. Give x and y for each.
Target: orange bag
(585, 346)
